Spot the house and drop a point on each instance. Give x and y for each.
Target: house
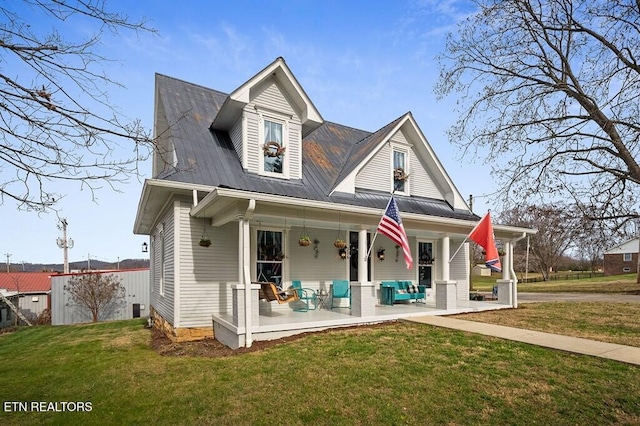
(253, 171)
(33, 288)
(622, 259)
(134, 305)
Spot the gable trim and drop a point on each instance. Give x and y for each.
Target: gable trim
(278, 69)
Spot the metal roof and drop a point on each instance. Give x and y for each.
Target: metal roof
(330, 152)
(26, 282)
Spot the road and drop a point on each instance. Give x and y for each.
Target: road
(577, 297)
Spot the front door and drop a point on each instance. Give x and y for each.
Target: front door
(425, 264)
(355, 258)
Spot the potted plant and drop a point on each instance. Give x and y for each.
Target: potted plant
(304, 240)
(339, 243)
(204, 242)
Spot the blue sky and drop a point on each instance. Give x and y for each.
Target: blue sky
(362, 63)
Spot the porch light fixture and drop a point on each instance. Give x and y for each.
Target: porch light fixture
(343, 253)
(380, 254)
(145, 247)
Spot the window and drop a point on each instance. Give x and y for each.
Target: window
(35, 299)
(273, 147)
(626, 257)
(269, 257)
(400, 174)
(626, 269)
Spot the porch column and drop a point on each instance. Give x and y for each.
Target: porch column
(245, 247)
(363, 297)
(506, 286)
(446, 294)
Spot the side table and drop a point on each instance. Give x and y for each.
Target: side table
(322, 299)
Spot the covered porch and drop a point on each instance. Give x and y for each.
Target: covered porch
(282, 323)
(268, 230)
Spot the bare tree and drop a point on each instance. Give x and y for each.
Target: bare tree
(53, 98)
(551, 87)
(594, 238)
(557, 232)
(101, 294)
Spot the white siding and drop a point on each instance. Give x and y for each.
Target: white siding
(399, 137)
(376, 174)
(254, 151)
(164, 303)
(459, 269)
(316, 272)
(420, 181)
(391, 268)
(270, 96)
(236, 137)
(295, 153)
(206, 273)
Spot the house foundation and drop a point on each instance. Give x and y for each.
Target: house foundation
(179, 334)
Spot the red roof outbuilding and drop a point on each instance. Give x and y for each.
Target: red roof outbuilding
(26, 282)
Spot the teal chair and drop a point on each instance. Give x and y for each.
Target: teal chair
(305, 295)
(340, 290)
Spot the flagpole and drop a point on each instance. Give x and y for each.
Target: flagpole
(467, 237)
(373, 240)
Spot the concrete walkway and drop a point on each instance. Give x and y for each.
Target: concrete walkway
(622, 353)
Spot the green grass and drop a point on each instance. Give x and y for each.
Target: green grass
(613, 284)
(401, 373)
(603, 321)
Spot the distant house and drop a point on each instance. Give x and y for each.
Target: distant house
(254, 171)
(135, 304)
(34, 289)
(622, 259)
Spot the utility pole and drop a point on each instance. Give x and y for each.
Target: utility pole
(471, 254)
(8, 256)
(65, 244)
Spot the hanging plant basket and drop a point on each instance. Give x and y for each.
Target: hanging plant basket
(205, 241)
(304, 241)
(339, 244)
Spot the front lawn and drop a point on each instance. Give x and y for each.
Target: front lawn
(400, 373)
(614, 284)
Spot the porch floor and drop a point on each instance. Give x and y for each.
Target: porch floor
(286, 322)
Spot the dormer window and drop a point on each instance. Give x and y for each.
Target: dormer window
(399, 172)
(273, 148)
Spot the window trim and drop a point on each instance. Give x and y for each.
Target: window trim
(405, 152)
(284, 121)
(627, 257)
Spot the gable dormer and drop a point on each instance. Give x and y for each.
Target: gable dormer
(266, 118)
(398, 157)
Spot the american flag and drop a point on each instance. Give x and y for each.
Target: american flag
(391, 226)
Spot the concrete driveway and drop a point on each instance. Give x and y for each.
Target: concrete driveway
(577, 297)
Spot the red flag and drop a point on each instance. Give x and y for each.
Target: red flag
(482, 234)
(391, 226)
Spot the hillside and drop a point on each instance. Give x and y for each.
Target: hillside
(81, 265)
